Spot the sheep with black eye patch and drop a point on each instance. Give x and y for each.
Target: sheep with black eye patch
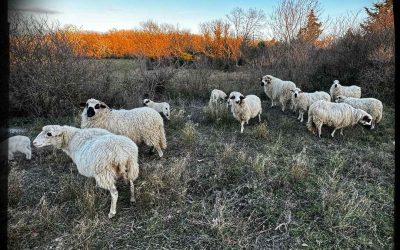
(160, 107)
(244, 108)
(97, 153)
(337, 115)
(278, 90)
(142, 124)
(372, 106)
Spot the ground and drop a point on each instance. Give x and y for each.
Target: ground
(275, 186)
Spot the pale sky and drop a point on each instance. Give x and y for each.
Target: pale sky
(103, 15)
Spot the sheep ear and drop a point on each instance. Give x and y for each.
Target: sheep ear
(292, 90)
(82, 104)
(103, 105)
(301, 91)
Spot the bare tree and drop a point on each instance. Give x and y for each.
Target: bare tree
(290, 15)
(247, 24)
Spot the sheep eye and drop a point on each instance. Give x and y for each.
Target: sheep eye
(49, 134)
(97, 106)
(232, 97)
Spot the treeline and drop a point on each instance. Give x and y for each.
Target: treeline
(50, 67)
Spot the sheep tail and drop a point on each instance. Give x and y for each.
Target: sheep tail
(310, 124)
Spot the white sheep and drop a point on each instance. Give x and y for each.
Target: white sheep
(140, 124)
(18, 143)
(97, 153)
(245, 108)
(302, 100)
(160, 107)
(277, 89)
(217, 97)
(337, 115)
(372, 106)
(349, 91)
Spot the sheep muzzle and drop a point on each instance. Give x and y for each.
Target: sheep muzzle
(90, 112)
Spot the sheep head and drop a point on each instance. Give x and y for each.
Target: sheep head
(50, 135)
(94, 107)
(266, 80)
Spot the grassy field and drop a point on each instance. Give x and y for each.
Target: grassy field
(274, 186)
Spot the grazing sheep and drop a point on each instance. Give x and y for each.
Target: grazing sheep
(277, 89)
(245, 108)
(97, 153)
(18, 143)
(302, 100)
(140, 124)
(160, 107)
(372, 106)
(217, 97)
(337, 115)
(349, 91)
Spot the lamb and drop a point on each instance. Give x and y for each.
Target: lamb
(160, 107)
(142, 124)
(372, 106)
(97, 153)
(217, 96)
(302, 100)
(337, 115)
(245, 108)
(349, 91)
(18, 143)
(277, 89)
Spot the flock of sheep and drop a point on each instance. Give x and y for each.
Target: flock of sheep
(105, 147)
(347, 108)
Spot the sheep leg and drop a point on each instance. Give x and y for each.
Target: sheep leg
(372, 125)
(114, 198)
(341, 131)
(333, 132)
(241, 126)
(28, 153)
(132, 191)
(298, 118)
(319, 127)
(259, 117)
(10, 156)
(302, 114)
(159, 151)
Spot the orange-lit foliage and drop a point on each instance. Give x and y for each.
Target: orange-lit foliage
(122, 43)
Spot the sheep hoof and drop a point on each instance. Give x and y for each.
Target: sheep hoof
(133, 200)
(110, 215)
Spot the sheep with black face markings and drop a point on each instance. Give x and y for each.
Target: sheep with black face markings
(337, 115)
(245, 108)
(349, 91)
(278, 90)
(372, 106)
(139, 124)
(97, 153)
(302, 100)
(160, 107)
